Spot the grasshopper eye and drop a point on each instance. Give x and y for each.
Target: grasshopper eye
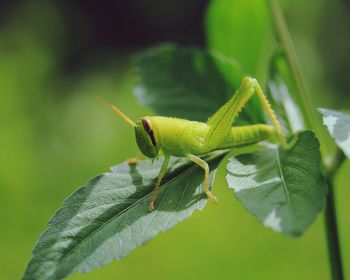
(147, 125)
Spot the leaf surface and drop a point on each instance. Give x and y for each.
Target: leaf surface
(338, 125)
(108, 218)
(285, 190)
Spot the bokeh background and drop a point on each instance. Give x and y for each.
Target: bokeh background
(56, 56)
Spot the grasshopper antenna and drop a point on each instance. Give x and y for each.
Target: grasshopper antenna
(117, 111)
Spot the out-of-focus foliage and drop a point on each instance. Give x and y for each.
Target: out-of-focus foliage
(241, 30)
(320, 36)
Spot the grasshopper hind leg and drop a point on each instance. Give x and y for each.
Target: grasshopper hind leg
(221, 122)
(205, 166)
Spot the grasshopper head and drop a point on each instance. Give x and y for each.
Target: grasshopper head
(145, 138)
(143, 130)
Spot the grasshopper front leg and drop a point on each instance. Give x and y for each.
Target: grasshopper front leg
(159, 180)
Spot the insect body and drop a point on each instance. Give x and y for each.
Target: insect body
(190, 139)
(183, 136)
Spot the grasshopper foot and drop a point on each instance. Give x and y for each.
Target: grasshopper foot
(134, 160)
(151, 206)
(212, 197)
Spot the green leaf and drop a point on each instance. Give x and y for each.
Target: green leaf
(281, 94)
(285, 190)
(338, 125)
(108, 218)
(186, 83)
(241, 29)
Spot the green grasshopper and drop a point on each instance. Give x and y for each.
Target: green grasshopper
(190, 139)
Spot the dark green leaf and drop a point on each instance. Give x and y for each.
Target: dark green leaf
(281, 94)
(186, 83)
(338, 125)
(285, 190)
(108, 218)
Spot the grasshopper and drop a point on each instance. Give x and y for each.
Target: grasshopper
(184, 138)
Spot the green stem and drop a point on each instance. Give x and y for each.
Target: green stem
(331, 221)
(286, 44)
(332, 236)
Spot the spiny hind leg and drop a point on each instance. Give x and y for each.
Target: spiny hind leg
(159, 180)
(266, 104)
(205, 166)
(220, 123)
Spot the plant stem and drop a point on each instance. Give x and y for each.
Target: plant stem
(285, 42)
(331, 220)
(332, 236)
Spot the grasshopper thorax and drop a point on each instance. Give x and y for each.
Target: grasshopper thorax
(145, 138)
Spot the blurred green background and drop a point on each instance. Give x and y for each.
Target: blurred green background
(54, 60)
